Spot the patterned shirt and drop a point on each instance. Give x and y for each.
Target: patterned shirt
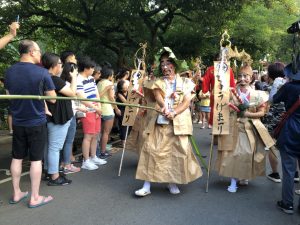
(88, 87)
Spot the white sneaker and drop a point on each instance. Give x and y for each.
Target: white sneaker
(98, 161)
(174, 190)
(89, 165)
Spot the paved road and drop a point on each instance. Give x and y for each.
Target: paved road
(101, 197)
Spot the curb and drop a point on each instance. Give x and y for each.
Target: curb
(5, 139)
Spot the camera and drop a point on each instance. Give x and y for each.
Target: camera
(294, 28)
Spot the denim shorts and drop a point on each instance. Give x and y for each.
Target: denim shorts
(205, 109)
(105, 118)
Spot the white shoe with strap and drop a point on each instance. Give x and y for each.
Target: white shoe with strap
(142, 192)
(232, 189)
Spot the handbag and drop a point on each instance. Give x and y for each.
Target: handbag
(285, 116)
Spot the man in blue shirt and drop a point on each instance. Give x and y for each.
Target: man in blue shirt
(29, 120)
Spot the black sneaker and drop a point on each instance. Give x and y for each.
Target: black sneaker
(60, 181)
(296, 177)
(274, 177)
(104, 155)
(289, 209)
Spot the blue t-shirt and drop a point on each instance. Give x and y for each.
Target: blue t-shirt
(28, 79)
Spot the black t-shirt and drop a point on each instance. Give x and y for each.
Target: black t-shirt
(62, 109)
(121, 107)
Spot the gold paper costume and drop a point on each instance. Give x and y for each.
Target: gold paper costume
(242, 154)
(136, 138)
(166, 155)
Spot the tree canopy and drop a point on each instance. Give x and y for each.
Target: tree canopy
(111, 30)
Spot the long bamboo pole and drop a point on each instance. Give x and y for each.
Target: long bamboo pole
(38, 97)
(123, 151)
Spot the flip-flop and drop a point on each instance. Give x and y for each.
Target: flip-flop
(43, 202)
(12, 201)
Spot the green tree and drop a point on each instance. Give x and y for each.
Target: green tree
(112, 30)
(261, 29)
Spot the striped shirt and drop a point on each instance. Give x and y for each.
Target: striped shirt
(87, 87)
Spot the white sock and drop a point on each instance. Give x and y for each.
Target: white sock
(147, 185)
(233, 182)
(173, 187)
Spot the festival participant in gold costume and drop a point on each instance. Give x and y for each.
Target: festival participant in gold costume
(246, 159)
(166, 155)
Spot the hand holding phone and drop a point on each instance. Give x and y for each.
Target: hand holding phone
(13, 28)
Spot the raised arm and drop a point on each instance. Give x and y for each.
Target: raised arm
(70, 91)
(12, 33)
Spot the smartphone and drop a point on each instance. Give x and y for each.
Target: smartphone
(18, 19)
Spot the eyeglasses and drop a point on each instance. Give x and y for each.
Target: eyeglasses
(37, 50)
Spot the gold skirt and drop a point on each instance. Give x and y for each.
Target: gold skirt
(247, 159)
(166, 158)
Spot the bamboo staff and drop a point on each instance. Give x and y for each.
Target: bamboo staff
(123, 152)
(38, 97)
(141, 65)
(225, 45)
(209, 162)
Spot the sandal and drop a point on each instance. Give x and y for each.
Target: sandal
(12, 201)
(43, 202)
(243, 182)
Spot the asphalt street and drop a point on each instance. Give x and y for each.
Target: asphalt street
(101, 197)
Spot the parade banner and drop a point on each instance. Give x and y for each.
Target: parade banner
(132, 98)
(221, 98)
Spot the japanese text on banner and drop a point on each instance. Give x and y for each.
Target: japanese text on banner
(135, 84)
(221, 99)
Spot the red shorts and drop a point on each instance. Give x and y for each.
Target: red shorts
(91, 124)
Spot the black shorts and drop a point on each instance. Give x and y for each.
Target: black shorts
(29, 140)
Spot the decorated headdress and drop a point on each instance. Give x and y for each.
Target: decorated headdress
(180, 65)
